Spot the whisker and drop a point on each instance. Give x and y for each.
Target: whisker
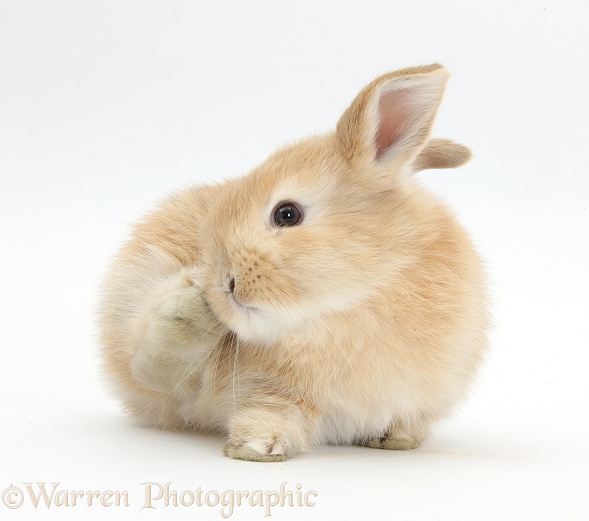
(235, 372)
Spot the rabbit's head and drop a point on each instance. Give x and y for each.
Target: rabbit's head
(326, 223)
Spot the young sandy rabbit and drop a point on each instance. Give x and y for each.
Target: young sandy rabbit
(323, 298)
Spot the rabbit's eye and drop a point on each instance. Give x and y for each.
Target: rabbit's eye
(287, 214)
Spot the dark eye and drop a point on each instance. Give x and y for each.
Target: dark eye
(287, 214)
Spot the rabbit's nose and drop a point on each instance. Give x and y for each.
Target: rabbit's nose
(232, 284)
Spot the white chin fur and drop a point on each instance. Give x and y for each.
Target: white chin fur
(257, 326)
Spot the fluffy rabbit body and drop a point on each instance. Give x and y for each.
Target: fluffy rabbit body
(323, 298)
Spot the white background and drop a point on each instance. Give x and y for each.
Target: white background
(106, 107)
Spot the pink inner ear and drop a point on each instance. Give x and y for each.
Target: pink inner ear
(397, 111)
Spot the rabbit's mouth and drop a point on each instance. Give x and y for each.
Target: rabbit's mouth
(249, 321)
(236, 299)
(243, 306)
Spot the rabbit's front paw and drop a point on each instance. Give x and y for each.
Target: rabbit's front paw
(267, 450)
(180, 307)
(180, 332)
(180, 315)
(272, 430)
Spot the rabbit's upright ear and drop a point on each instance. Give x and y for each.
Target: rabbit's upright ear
(389, 122)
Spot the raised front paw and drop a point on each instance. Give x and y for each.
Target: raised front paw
(179, 333)
(180, 308)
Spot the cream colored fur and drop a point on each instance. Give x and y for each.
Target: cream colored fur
(363, 324)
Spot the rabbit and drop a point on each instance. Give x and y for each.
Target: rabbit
(324, 298)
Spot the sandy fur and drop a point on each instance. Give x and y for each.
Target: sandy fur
(364, 324)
